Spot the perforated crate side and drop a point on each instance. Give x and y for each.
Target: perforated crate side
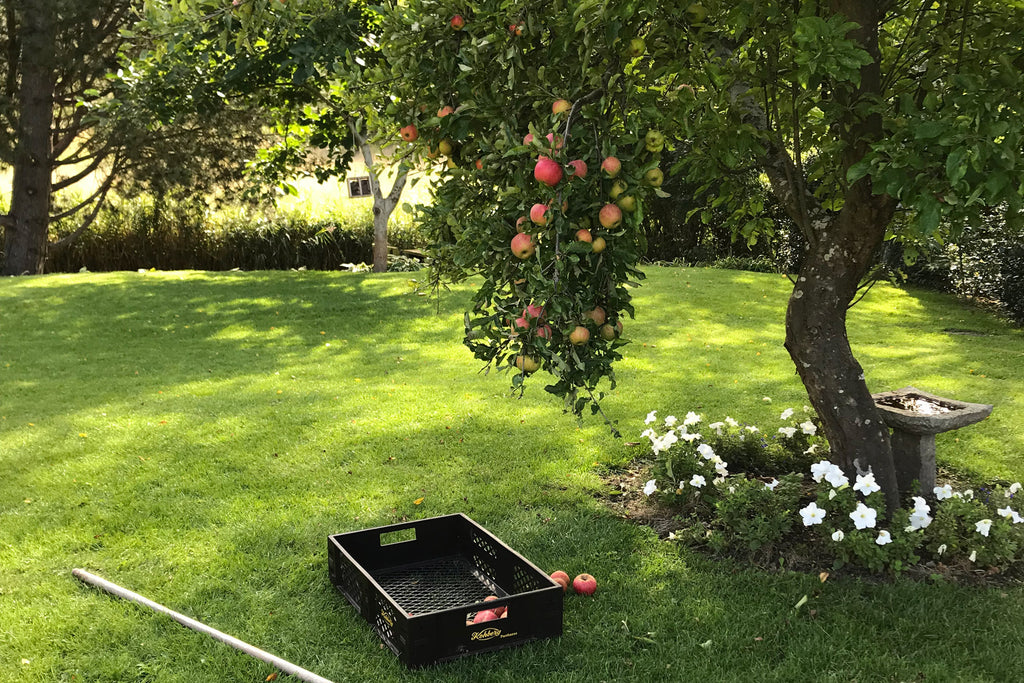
(347, 578)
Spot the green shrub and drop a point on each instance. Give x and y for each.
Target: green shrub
(187, 235)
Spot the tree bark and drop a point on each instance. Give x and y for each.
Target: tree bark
(26, 230)
(841, 253)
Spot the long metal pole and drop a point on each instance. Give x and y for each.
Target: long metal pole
(283, 665)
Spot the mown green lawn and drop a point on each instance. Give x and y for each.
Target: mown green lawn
(196, 436)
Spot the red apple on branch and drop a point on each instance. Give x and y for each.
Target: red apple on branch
(579, 168)
(560, 106)
(457, 22)
(523, 245)
(547, 171)
(611, 166)
(583, 235)
(610, 216)
(579, 336)
(409, 133)
(539, 214)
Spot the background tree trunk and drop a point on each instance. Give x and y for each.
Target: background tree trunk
(26, 231)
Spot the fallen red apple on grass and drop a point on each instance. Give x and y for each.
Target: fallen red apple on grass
(584, 584)
(562, 578)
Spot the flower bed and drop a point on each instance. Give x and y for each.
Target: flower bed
(738, 488)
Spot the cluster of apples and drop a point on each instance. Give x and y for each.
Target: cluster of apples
(583, 584)
(500, 612)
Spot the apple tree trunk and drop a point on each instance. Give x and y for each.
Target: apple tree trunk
(817, 341)
(26, 227)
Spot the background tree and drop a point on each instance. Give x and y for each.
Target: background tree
(853, 110)
(300, 63)
(58, 54)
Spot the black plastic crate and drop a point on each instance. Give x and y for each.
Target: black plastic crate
(420, 584)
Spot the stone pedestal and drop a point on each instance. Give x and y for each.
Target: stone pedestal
(915, 417)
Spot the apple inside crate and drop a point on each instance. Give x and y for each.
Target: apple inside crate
(441, 588)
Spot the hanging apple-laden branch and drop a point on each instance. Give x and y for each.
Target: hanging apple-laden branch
(542, 170)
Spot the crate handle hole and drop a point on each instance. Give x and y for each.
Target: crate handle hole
(400, 536)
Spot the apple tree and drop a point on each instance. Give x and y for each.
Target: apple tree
(853, 112)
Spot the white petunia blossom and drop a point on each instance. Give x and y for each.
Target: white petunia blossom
(670, 421)
(772, 484)
(1014, 487)
(650, 487)
(943, 492)
(819, 469)
(812, 514)
(707, 451)
(919, 519)
(921, 504)
(687, 436)
(809, 428)
(692, 418)
(663, 443)
(1011, 514)
(941, 549)
(838, 535)
(787, 431)
(698, 481)
(731, 422)
(722, 468)
(836, 477)
(717, 426)
(866, 484)
(974, 555)
(651, 417)
(682, 485)
(786, 414)
(811, 449)
(883, 537)
(864, 517)
(752, 429)
(982, 526)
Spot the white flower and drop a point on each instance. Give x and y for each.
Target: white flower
(832, 494)
(1005, 512)
(810, 449)
(717, 426)
(836, 477)
(1014, 487)
(692, 418)
(766, 399)
(752, 429)
(698, 481)
(866, 484)
(732, 489)
(809, 428)
(921, 504)
(943, 492)
(650, 487)
(664, 443)
(974, 555)
(717, 481)
(969, 494)
(650, 417)
(721, 468)
(812, 514)
(941, 549)
(670, 421)
(919, 519)
(733, 423)
(883, 537)
(982, 526)
(682, 485)
(707, 451)
(838, 535)
(863, 517)
(788, 431)
(649, 433)
(819, 469)
(772, 484)
(786, 414)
